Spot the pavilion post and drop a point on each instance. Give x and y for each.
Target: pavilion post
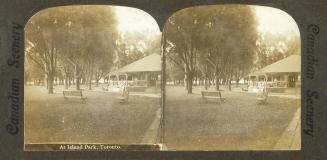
(286, 80)
(265, 82)
(109, 75)
(117, 79)
(147, 79)
(126, 76)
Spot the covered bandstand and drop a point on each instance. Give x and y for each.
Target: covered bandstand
(281, 76)
(137, 76)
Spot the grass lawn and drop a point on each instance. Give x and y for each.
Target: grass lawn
(49, 118)
(190, 123)
(238, 124)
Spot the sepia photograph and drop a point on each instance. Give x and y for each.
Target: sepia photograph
(232, 79)
(92, 75)
(93, 79)
(150, 80)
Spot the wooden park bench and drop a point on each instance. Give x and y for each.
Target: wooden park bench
(245, 89)
(262, 96)
(212, 95)
(124, 97)
(105, 88)
(77, 93)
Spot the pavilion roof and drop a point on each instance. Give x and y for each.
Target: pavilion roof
(150, 63)
(290, 64)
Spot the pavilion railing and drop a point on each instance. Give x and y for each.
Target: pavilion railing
(269, 84)
(277, 84)
(128, 83)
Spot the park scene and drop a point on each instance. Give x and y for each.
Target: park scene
(220, 77)
(232, 79)
(92, 78)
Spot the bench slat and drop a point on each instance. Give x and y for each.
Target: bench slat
(123, 97)
(212, 95)
(73, 94)
(263, 97)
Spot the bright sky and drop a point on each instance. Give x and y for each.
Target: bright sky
(270, 20)
(275, 21)
(135, 20)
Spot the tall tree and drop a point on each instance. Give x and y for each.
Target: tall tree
(71, 37)
(274, 47)
(216, 37)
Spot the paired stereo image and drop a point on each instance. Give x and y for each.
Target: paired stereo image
(219, 77)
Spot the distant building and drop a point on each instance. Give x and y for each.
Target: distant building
(139, 75)
(281, 76)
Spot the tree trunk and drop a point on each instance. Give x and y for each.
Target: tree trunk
(237, 82)
(186, 82)
(230, 75)
(189, 82)
(78, 81)
(217, 83)
(97, 78)
(206, 83)
(229, 80)
(97, 82)
(78, 78)
(50, 83)
(46, 81)
(229, 84)
(90, 76)
(90, 83)
(67, 81)
(56, 81)
(85, 80)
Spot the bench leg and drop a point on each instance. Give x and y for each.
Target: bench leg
(84, 99)
(122, 101)
(204, 99)
(262, 102)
